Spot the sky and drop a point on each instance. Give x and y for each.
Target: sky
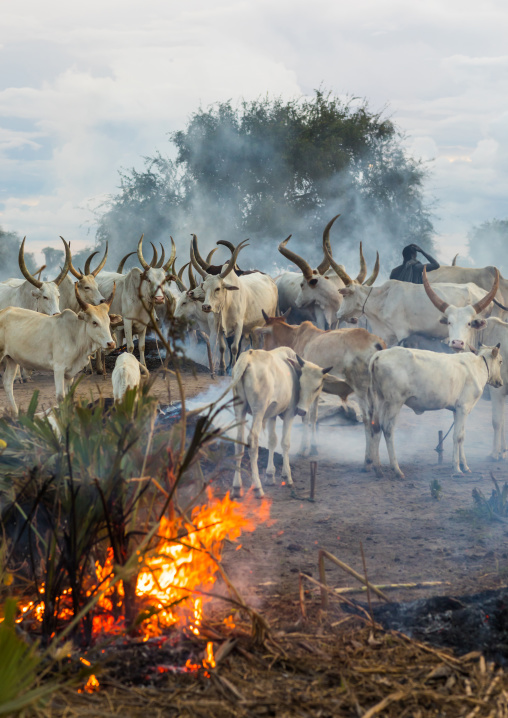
(88, 89)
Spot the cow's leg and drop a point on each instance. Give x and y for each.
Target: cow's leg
(272, 443)
(141, 346)
(240, 414)
(9, 372)
(257, 423)
(459, 431)
(388, 414)
(287, 423)
(319, 317)
(59, 376)
(497, 401)
(367, 419)
(308, 444)
(236, 344)
(127, 327)
(222, 349)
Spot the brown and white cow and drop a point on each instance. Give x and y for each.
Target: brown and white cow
(62, 343)
(348, 353)
(426, 381)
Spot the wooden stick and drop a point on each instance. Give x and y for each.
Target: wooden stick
(302, 597)
(367, 584)
(391, 586)
(313, 472)
(325, 554)
(440, 447)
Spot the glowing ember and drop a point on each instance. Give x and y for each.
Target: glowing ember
(209, 661)
(91, 686)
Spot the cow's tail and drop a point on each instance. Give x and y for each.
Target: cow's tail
(372, 397)
(242, 364)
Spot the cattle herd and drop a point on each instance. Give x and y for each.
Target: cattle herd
(428, 346)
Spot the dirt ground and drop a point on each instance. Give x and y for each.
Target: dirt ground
(407, 535)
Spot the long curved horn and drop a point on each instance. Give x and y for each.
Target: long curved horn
(487, 299)
(210, 255)
(177, 278)
(454, 260)
(96, 271)
(195, 264)
(155, 256)
(109, 301)
(67, 264)
(325, 264)
(370, 281)
(338, 269)
(197, 255)
(192, 279)
(296, 259)
(84, 305)
(180, 273)
(142, 260)
(163, 257)
(87, 263)
(232, 261)
(122, 262)
(24, 270)
(436, 301)
(363, 267)
(72, 269)
(172, 256)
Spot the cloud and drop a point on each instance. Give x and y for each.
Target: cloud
(88, 89)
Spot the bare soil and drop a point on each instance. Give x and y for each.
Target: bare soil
(408, 536)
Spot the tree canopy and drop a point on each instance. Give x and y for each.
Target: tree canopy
(488, 244)
(9, 250)
(268, 168)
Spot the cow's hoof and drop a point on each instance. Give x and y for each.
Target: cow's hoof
(221, 372)
(497, 457)
(270, 480)
(259, 493)
(236, 492)
(466, 470)
(398, 474)
(379, 472)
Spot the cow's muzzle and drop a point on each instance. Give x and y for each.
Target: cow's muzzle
(301, 412)
(111, 345)
(206, 308)
(352, 320)
(158, 300)
(457, 345)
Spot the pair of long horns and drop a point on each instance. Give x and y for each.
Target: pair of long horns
(201, 266)
(327, 250)
(156, 262)
(94, 272)
(84, 305)
(166, 267)
(36, 282)
(440, 304)
(341, 272)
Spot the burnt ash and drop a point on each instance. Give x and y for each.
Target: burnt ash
(477, 622)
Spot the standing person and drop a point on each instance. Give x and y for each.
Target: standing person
(412, 269)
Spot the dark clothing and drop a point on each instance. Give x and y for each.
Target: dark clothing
(412, 271)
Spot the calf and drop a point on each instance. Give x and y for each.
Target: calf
(126, 375)
(268, 385)
(426, 381)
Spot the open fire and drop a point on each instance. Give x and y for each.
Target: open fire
(175, 579)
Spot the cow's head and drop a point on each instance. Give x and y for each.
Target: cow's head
(155, 278)
(462, 322)
(46, 295)
(86, 283)
(215, 287)
(311, 379)
(493, 360)
(353, 302)
(98, 321)
(276, 332)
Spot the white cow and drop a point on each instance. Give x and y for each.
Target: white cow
(397, 309)
(87, 285)
(61, 343)
(426, 381)
(33, 294)
(268, 385)
(237, 304)
(126, 375)
(136, 292)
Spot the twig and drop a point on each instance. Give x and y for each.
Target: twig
(367, 584)
(325, 554)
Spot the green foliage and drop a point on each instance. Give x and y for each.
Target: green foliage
(494, 508)
(20, 666)
(10, 243)
(270, 167)
(488, 244)
(435, 489)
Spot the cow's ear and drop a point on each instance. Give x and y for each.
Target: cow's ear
(313, 282)
(35, 294)
(115, 319)
(82, 316)
(345, 291)
(443, 320)
(479, 323)
(230, 287)
(295, 366)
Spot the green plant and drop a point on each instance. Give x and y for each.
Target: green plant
(435, 489)
(494, 508)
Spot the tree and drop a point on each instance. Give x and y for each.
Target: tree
(52, 259)
(488, 244)
(10, 243)
(268, 168)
